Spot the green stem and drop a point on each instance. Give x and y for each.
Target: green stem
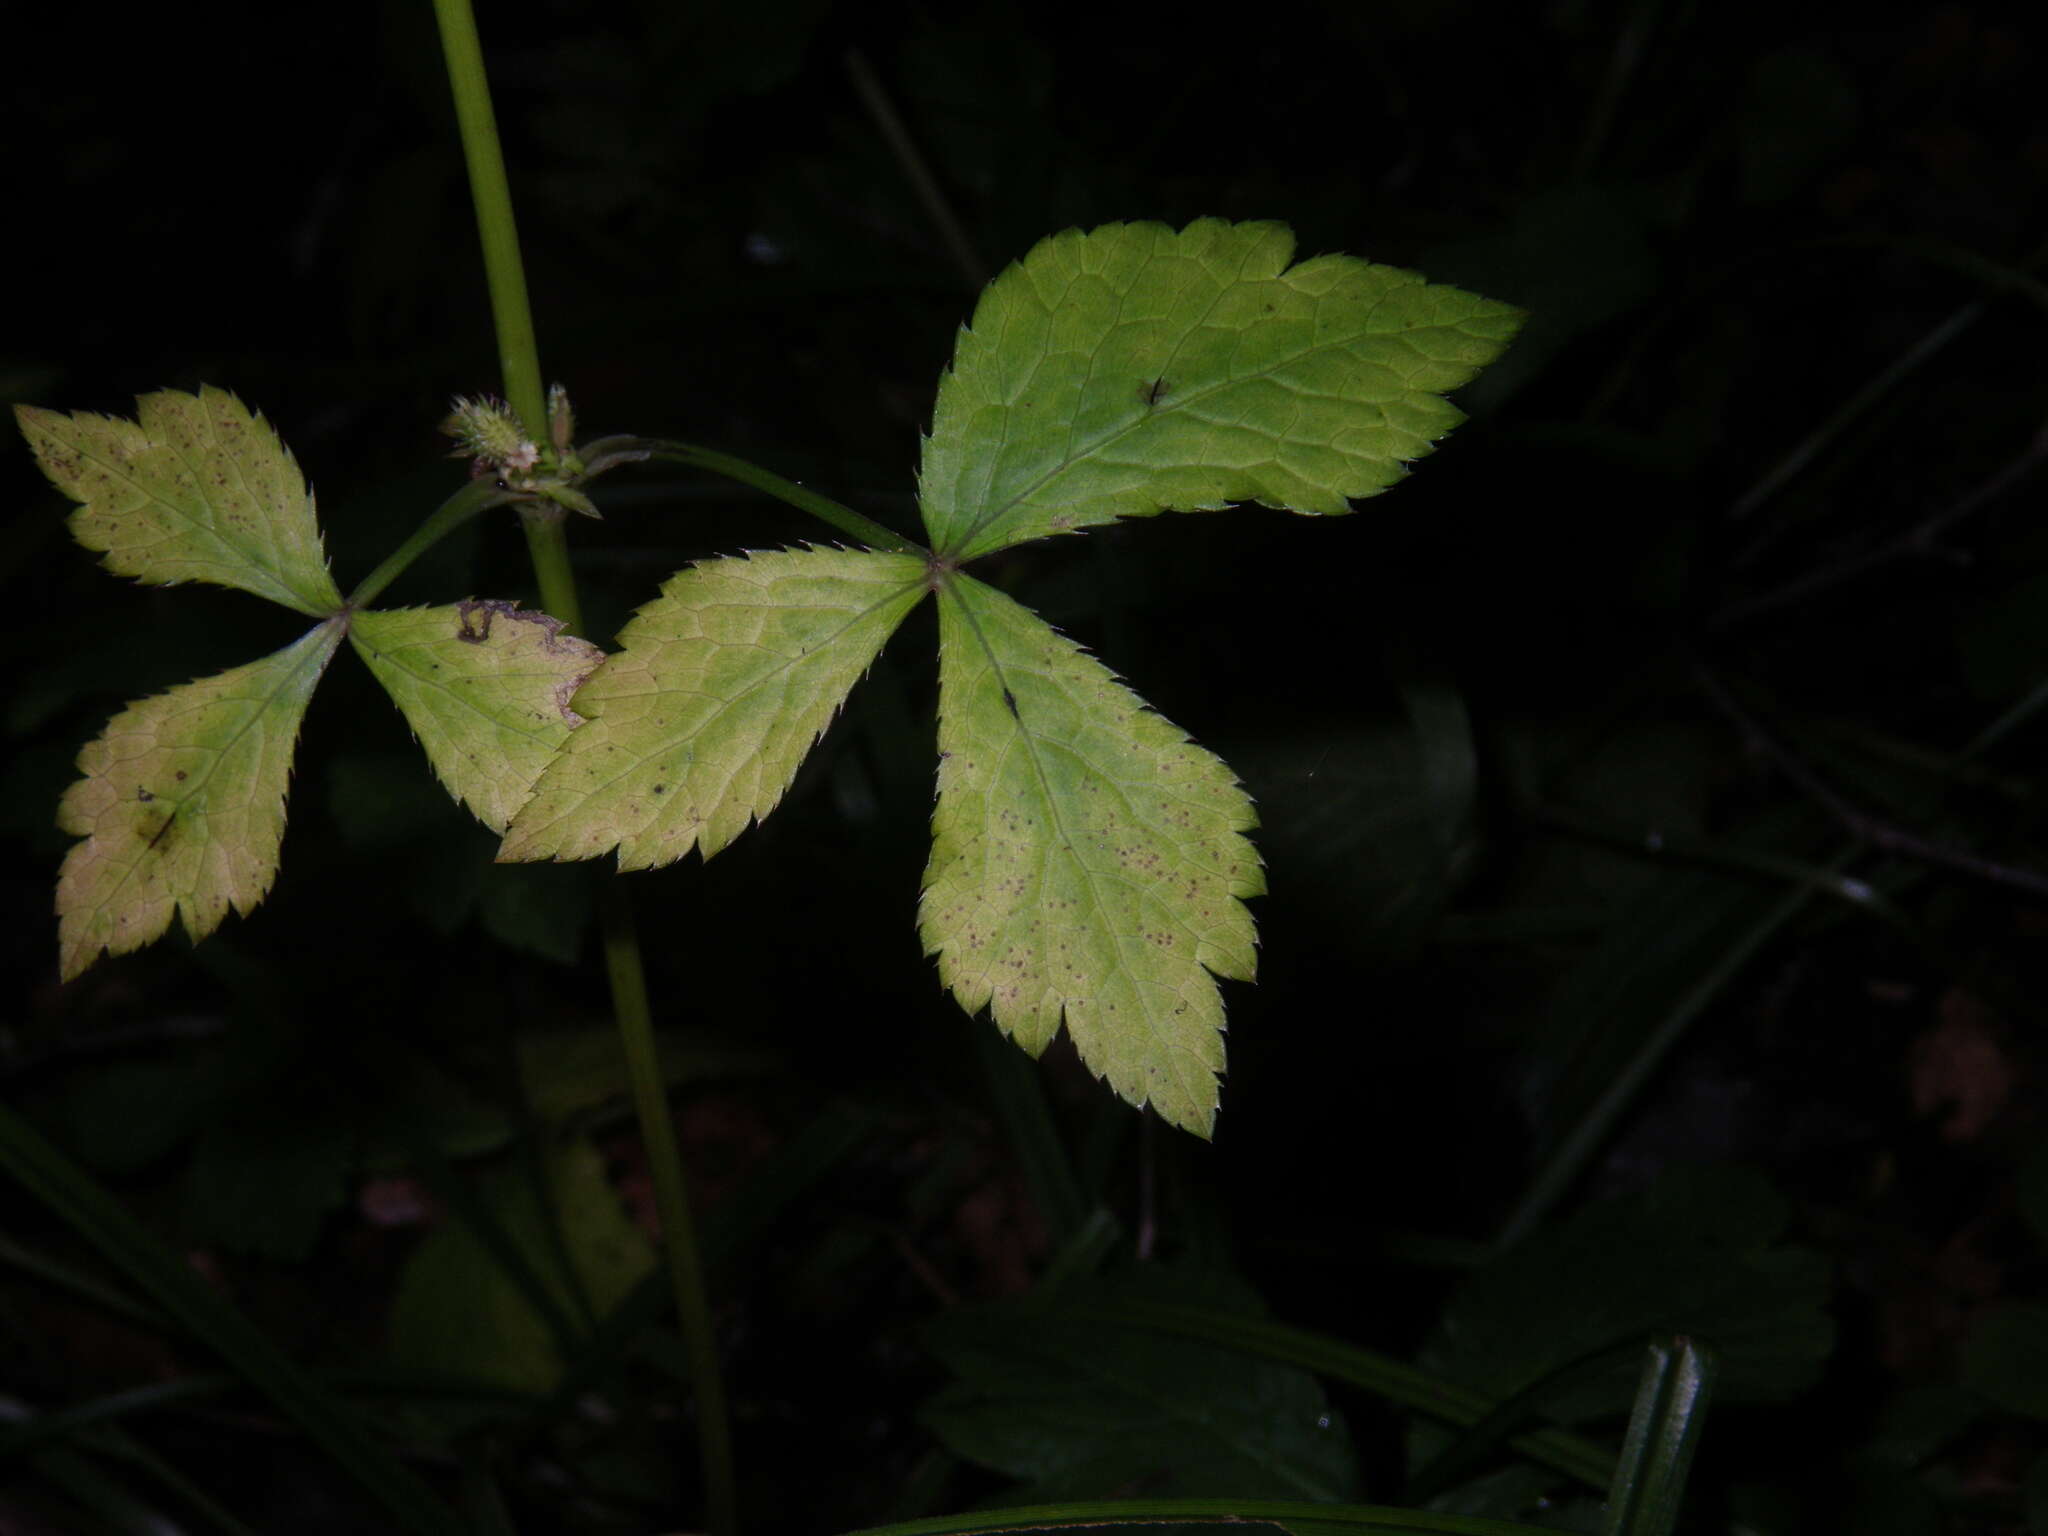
(973, 270)
(1568, 1160)
(671, 1200)
(444, 520)
(547, 543)
(845, 519)
(518, 354)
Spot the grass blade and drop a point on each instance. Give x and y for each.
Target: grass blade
(98, 1217)
(1019, 1094)
(1663, 1432)
(1727, 932)
(1470, 1451)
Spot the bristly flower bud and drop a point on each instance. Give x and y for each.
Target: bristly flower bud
(490, 433)
(561, 419)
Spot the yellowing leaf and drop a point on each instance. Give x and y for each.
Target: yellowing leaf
(197, 489)
(486, 688)
(182, 804)
(1087, 859)
(1133, 369)
(720, 686)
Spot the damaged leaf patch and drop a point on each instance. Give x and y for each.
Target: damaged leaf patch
(718, 689)
(486, 687)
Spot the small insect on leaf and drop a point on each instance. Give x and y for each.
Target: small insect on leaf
(1136, 369)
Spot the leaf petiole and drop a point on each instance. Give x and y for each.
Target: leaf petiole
(444, 520)
(609, 451)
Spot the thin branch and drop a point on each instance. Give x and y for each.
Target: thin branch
(1882, 835)
(1919, 540)
(1810, 447)
(952, 234)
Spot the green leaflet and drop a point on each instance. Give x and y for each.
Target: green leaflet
(486, 688)
(1088, 860)
(182, 804)
(696, 726)
(1132, 369)
(199, 488)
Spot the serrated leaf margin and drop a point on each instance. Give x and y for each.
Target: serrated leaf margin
(1035, 839)
(241, 515)
(140, 781)
(607, 790)
(1383, 341)
(523, 731)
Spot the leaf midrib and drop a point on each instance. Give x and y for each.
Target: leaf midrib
(1167, 1047)
(1070, 459)
(390, 655)
(278, 591)
(316, 656)
(725, 704)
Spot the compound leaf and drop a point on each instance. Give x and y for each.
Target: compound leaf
(1088, 860)
(198, 488)
(182, 804)
(486, 688)
(695, 727)
(1132, 369)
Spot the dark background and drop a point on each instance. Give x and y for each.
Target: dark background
(1741, 544)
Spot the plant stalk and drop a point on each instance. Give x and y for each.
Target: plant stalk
(518, 353)
(844, 518)
(672, 1202)
(547, 546)
(547, 543)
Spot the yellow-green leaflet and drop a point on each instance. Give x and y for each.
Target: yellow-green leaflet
(1088, 860)
(695, 727)
(182, 804)
(486, 688)
(197, 488)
